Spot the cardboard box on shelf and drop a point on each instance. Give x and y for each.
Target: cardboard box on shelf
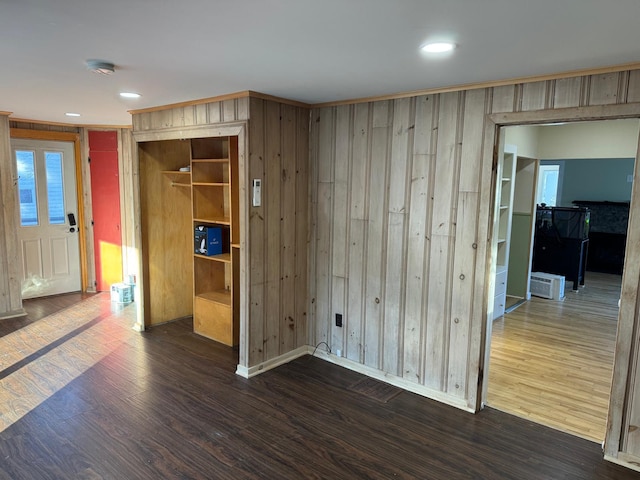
(208, 240)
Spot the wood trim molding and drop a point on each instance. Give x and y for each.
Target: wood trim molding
(5, 113)
(487, 84)
(221, 98)
(188, 103)
(248, 372)
(390, 379)
(572, 114)
(62, 124)
(624, 460)
(285, 101)
(174, 133)
(44, 135)
(14, 314)
(75, 138)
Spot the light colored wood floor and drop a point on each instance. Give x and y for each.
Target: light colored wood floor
(551, 362)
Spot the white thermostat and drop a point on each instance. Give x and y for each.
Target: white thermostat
(257, 192)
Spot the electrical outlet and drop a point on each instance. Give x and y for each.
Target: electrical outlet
(338, 319)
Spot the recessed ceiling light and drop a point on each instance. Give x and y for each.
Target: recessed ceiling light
(71, 114)
(129, 95)
(438, 47)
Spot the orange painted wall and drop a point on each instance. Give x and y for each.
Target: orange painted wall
(105, 198)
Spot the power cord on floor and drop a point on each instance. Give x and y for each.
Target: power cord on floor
(321, 343)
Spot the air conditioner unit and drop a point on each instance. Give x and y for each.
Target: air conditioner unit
(546, 285)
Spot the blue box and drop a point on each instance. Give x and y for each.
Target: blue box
(207, 240)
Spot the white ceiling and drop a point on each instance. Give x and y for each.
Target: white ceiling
(311, 51)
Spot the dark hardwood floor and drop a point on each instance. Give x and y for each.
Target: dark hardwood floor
(38, 308)
(100, 401)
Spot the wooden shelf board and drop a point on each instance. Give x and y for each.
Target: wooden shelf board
(209, 160)
(506, 179)
(175, 172)
(218, 221)
(223, 257)
(504, 207)
(218, 296)
(211, 184)
(502, 240)
(235, 245)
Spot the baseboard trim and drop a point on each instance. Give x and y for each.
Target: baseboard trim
(393, 380)
(248, 372)
(13, 314)
(625, 460)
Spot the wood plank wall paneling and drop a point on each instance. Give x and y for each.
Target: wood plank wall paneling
(278, 229)
(232, 110)
(87, 196)
(376, 235)
(568, 92)
(257, 240)
(128, 179)
(401, 195)
(303, 225)
(10, 271)
(272, 193)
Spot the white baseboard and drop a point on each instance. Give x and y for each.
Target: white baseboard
(248, 372)
(395, 381)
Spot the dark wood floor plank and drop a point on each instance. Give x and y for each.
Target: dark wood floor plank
(104, 402)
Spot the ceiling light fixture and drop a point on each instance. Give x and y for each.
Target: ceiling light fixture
(129, 95)
(438, 47)
(71, 114)
(101, 67)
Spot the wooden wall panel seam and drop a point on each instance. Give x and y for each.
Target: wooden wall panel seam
(623, 87)
(419, 215)
(550, 94)
(585, 91)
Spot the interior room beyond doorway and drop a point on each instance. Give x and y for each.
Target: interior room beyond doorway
(552, 360)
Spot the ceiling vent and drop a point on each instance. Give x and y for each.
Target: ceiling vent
(101, 67)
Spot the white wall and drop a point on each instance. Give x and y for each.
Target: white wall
(602, 139)
(526, 138)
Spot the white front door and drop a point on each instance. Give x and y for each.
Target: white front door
(48, 230)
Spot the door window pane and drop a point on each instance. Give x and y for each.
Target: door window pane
(27, 193)
(55, 187)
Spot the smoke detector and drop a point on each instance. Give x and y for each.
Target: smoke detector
(101, 67)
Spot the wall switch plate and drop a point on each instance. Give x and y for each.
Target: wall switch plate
(338, 319)
(257, 192)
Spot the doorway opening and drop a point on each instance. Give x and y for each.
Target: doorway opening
(551, 359)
